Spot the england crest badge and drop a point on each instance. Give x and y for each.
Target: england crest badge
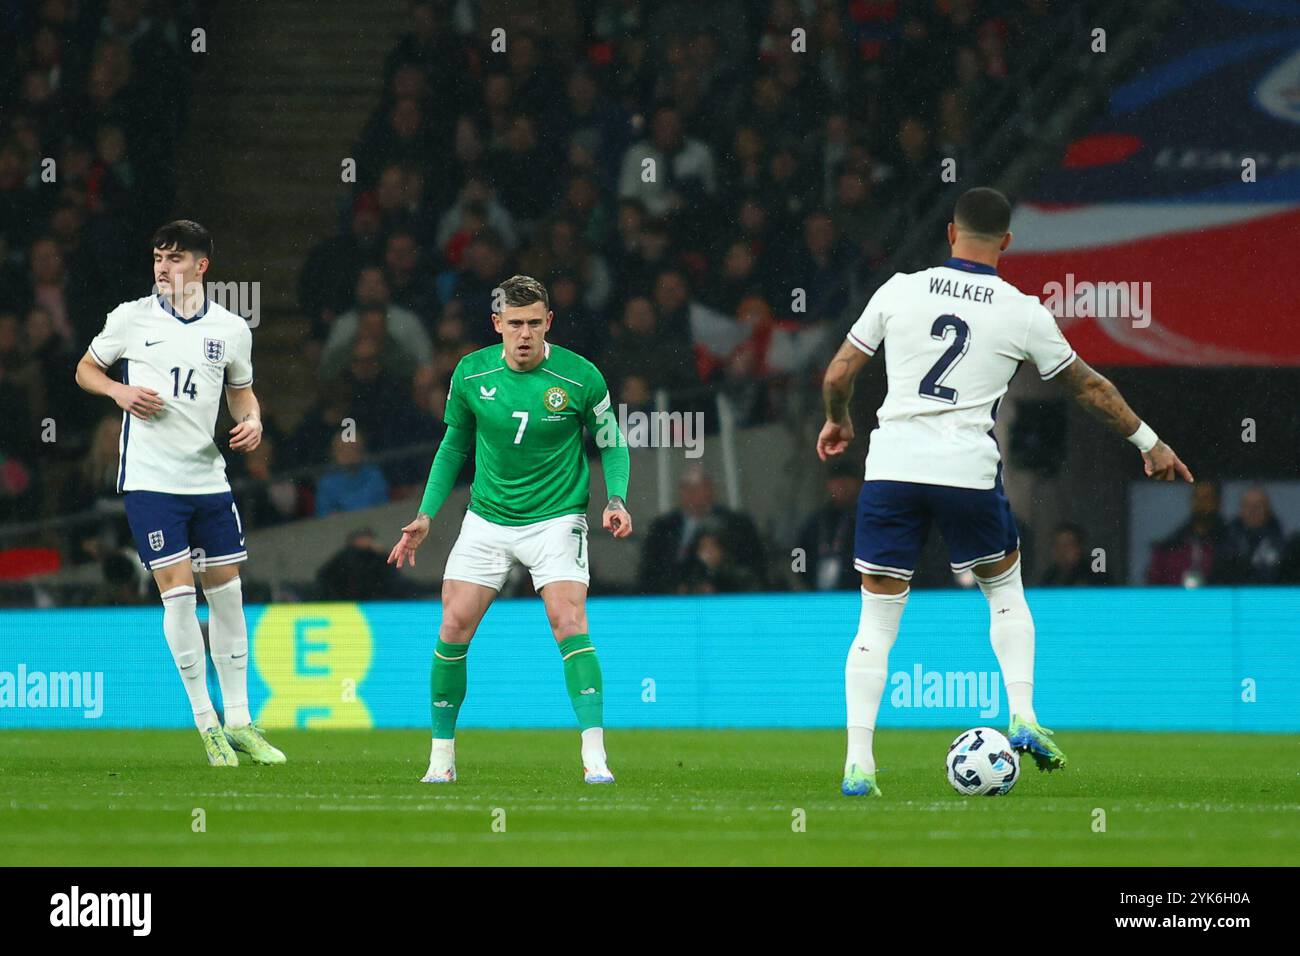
(214, 350)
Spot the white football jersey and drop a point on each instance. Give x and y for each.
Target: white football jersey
(188, 362)
(954, 336)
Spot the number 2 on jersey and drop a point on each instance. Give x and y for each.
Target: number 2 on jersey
(932, 385)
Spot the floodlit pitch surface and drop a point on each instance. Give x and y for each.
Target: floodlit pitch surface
(683, 797)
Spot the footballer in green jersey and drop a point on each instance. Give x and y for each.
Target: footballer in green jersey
(523, 406)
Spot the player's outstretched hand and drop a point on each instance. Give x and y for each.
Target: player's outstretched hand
(246, 435)
(143, 403)
(412, 535)
(1163, 464)
(835, 437)
(616, 518)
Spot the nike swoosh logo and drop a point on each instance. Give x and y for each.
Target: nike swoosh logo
(159, 342)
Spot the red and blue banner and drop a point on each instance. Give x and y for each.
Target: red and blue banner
(1187, 192)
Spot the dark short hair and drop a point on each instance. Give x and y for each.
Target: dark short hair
(525, 290)
(984, 211)
(185, 235)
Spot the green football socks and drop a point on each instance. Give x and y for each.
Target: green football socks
(582, 677)
(447, 687)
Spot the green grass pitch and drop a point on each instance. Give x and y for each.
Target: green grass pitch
(683, 797)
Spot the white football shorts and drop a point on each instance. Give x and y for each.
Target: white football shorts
(551, 550)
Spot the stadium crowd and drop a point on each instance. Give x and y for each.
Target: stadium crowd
(780, 179)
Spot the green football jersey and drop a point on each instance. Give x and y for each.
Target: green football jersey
(530, 463)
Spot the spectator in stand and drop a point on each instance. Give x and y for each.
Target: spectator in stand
(670, 545)
(586, 116)
(395, 363)
(410, 280)
(685, 177)
(1071, 565)
(858, 216)
(576, 326)
(559, 248)
(449, 66)
(402, 324)
(477, 199)
(712, 568)
(827, 536)
(738, 279)
(524, 173)
(400, 136)
(1198, 551)
(359, 572)
(351, 484)
(643, 251)
(485, 265)
(310, 442)
(112, 180)
(586, 208)
(641, 359)
(328, 281)
(56, 394)
(682, 319)
(52, 289)
(1255, 540)
(533, 79)
(916, 163)
(382, 408)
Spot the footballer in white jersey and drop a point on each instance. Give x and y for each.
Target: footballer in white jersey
(178, 353)
(953, 336)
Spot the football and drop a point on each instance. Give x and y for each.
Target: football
(982, 763)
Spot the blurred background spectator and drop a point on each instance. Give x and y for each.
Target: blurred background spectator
(1071, 564)
(827, 536)
(671, 556)
(1198, 551)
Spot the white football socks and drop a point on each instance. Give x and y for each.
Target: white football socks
(867, 670)
(593, 747)
(442, 753)
(228, 640)
(181, 628)
(1011, 631)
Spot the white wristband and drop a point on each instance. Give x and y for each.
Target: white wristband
(1145, 438)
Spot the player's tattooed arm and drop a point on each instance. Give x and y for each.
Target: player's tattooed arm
(837, 384)
(1102, 400)
(837, 389)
